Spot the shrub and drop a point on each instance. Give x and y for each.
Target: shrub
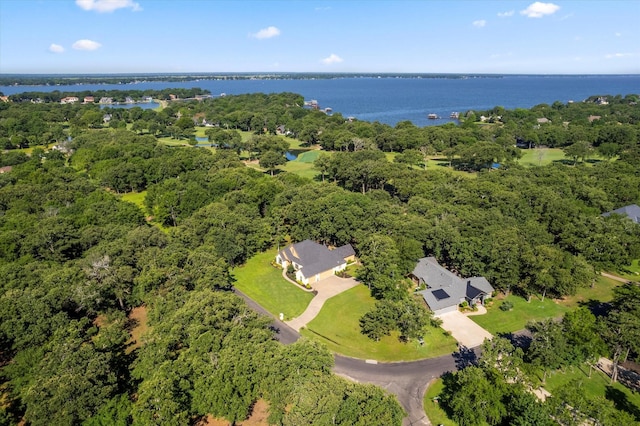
(506, 306)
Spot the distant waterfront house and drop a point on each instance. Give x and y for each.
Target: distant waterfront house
(631, 211)
(88, 100)
(69, 100)
(445, 290)
(314, 262)
(105, 100)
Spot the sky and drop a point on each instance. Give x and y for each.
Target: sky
(375, 36)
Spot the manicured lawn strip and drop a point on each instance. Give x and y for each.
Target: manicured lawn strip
(596, 386)
(301, 169)
(632, 271)
(432, 409)
(602, 291)
(264, 284)
(540, 156)
(496, 321)
(308, 156)
(173, 142)
(136, 198)
(338, 327)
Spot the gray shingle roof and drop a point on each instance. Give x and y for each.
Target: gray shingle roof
(441, 282)
(632, 211)
(315, 258)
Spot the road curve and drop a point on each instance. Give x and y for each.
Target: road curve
(407, 380)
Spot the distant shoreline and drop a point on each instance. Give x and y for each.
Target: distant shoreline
(133, 79)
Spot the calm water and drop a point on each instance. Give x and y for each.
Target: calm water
(390, 100)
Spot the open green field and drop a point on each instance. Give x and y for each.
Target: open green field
(432, 409)
(596, 386)
(303, 164)
(631, 272)
(496, 321)
(136, 198)
(338, 327)
(263, 283)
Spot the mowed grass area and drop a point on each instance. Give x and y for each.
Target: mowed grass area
(338, 327)
(136, 198)
(303, 164)
(435, 413)
(263, 283)
(497, 321)
(631, 272)
(598, 385)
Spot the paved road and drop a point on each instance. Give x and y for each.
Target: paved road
(615, 277)
(407, 380)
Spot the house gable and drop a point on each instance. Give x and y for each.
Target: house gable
(312, 260)
(445, 290)
(632, 211)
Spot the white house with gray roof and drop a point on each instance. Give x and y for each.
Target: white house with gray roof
(445, 290)
(314, 262)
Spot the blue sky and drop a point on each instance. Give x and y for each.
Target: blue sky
(453, 36)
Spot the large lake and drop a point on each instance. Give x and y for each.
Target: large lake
(391, 100)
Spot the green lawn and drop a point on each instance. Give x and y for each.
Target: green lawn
(136, 198)
(303, 164)
(596, 386)
(497, 321)
(631, 272)
(338, 327)
(263, 283)
(540, 156)
(432, 409)
(544, 156)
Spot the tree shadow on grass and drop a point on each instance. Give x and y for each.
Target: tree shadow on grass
(621, 401)
(521, 339)
(596, 307)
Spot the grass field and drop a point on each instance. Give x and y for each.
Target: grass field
(432, 409)
(136, 198)
(632, 272)
(264, 284)
(596, 386)
(303, 164)
(338, 327)
(497, 321)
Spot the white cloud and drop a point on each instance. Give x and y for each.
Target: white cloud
(538, 10)
(618, 34)
(618, 55)
(102, 6)
(506, 14)
(56, 48)
(86, 45)
(479, 23)
(266, 33)
(332, 59)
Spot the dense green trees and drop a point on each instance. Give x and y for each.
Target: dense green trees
(75, 259)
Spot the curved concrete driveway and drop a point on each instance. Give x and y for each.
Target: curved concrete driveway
(463, 329)
(326, 289)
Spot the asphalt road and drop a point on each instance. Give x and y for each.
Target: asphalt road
(407, 380)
